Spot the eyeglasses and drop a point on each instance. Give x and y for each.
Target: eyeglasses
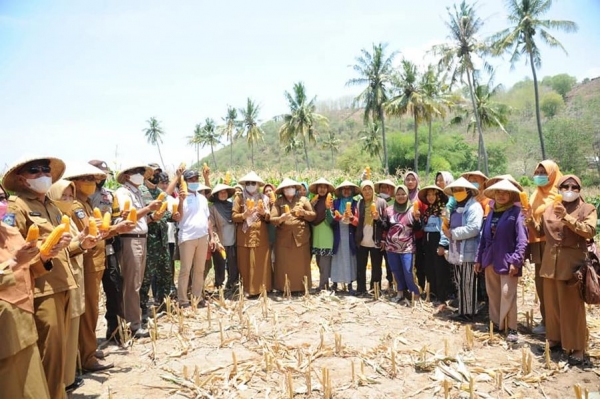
(251, 183)
(34, 170)
(570, 187)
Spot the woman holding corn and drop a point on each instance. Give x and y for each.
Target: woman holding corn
(343, 263)
(322, 233)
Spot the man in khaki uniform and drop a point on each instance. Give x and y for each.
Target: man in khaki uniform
(30, 179)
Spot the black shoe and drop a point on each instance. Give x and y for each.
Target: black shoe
(141, 333)
(76, 384)
(462, 317)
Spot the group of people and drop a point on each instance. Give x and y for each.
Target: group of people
(465, 239)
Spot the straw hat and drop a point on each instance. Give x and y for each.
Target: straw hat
(11, 182)
(220, 187)
(461, 182)
(313, 186)
(252, 176)
(103, 166)
(496, 179)
(133, 165)
(385, 181)
(474, 173)
(287, 183)
(79, 169)
(504, 185)
(346, 183)
(422, 195)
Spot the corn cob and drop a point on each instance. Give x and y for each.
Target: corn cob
(373, 207)
(286, 208)
(348, 210)
(183, 185)
(445, 222)
(132, 215)
(175, 206)
(127, 205)
(52, 240)
(486, 211)
(222, 252)
(337, 214)
(66, 221)
(558, 198)
(368, 173)
(272, 196)
(97, 213)
(161, 196)
(105, 222)
(204, 166)
(416, 207)
(524, 198)
(93, 227)
(33, 233)
(328, 201)
(260, 205)
(163, 207)
(182, 166)
(227, 179)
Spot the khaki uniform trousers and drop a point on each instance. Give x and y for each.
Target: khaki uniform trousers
(502, 295)
(132, 259)
(89, 320)
(72, 341)
(193, 259)
(22, 375)
(53, 320)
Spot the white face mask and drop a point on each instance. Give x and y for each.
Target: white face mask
(289, 191)
(252, 189)
(137, 179)
(570, 196)
(41, 185)
(384, 196)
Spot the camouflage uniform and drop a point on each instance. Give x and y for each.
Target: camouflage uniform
(158, 264)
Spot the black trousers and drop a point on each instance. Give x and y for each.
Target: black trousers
(112, 282)
(233, 273)
(438, 271)
(420, 262)
(362, 255)
(388, 271)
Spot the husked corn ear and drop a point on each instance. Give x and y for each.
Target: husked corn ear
(93, 227)
(204, 166)
(348, 210)
(163, 208)
(52, 239)
(368, 173)
(182, 166)
(272, 196)
(33, 233)
(161, 196)
(486, 211)
(65, 221)
(337, 214)
(524, 199)
(328, 201)
(227, 179)
(183, 184)
(373, 207)
(97, 213)
(445, 222)
(250, 203)
(106, 219)
(416, 207)
(223, 253)
(175, 206)
(132, 215)
(557, 198)
(127, 205)
(260, 204)
(286, 208)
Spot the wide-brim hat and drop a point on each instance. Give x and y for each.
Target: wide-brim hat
(385, 181)
(220, 187)
(79, 169)
(121, 175)
(103, 166)
(474, 173)
(346, 183)
(287, 183)
(461, 182)
(503, 185)
(252, 176)
(10, 181)
(313, 186)
(422, 194)
(496, 179)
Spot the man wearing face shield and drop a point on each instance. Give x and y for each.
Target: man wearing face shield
(132, 257)
(30, 179)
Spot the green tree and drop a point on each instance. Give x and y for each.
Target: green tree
(371, 140)
(195, 141)
(564, 137)
(375, 70)
(250, 128)
(210, 136)
(332, 144)
(525, 18)
(407, 99)
(292, 146)
(154, 134)
(551, 104)
(230, 128)
(561, 83)
(457, 56)
(302, 120)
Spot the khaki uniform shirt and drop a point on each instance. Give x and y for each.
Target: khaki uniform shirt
(93, 259)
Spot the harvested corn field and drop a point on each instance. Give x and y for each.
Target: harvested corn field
(338, 346)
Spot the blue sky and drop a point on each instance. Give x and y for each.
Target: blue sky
(79, 79)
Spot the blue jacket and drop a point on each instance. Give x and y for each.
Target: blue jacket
(465, 237)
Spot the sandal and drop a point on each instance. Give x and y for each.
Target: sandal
(579, 362)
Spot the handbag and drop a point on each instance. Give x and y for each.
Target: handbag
(588, 280)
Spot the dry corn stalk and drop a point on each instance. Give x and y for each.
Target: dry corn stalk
(287, 294)
(209, 314)
(491, 331)
(290, 385)
(468, 337)
(471, 388)
(338, 343)
(446, 389)
(427, 291)
(376, 291)
(547, 356)
(306, 288)
(393, 357)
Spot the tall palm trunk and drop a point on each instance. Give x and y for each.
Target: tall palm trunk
(478, 122)
(160, 155)
(386, 167)
(231, 153)
(305, 152)
(252, 154)
(213, 156)
(428, 149)
(537, 106)
(416, 167)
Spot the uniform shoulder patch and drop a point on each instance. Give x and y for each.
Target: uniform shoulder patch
(80, 213)
(9, 219)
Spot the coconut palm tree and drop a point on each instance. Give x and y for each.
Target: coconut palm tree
(230, 128)
(292, 146)
(375, 70)
(525, 18)
(195, 141)
(250, 128)
(154, 134)
(458, 55)
(332, 143)
(302, 120)
(372, 142)
(407, 99)
(210, 136)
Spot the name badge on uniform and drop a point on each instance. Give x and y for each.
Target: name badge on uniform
(9, 219)
(35, 214)
(80, 213)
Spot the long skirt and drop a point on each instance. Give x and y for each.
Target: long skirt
(343, 264)
(295, 263)
(254, 264)
(467, 288)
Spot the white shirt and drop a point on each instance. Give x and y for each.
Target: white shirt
(130, 192)
(194, 222)
(171, 232)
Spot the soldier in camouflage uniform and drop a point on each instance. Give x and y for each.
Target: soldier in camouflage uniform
(158, 265)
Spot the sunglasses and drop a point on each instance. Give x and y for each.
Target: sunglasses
(135, 171)
(251, 183)
(34, 170)
(570, 187)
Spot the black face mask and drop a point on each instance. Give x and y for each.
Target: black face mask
(154, 179)
(100, 184)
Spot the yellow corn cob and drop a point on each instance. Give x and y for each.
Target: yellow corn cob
(162, 208)
(286, 208)
(227, 179)
(93, 227)
(558, 198)
(524, 198)
(260, 205)
(183, 185)
(415, 207)
(328, 201)
(97, 213)
(348, 210)
(161, 196)
(66, 221)
(373, 207)
(204, 166)
(272, 196)
(175, 206)
(52, 240)
(33, 233)
(132, 215)
(223, 253)
(105, 222)
(182, 166)
(337, 214)
(127, 205)
(445, 222)
(368, 173)
(486, 211)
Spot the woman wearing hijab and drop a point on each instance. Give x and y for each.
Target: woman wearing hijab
(269, 191)
(545, 177)
(567, 225)
(252, 236)
(443, 178)
(462, 239)
(221, 220)
(411, 181)
(343, 263)
(322, 233)
(303, 191)
(291, 214)
(501, 254)
(399, 242)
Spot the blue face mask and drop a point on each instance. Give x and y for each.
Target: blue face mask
(475, 184)
(540, 180)
(193, 186)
